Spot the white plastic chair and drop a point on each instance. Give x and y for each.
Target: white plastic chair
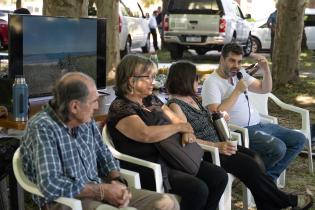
(260, 101)
(75, 204)
(226, 199)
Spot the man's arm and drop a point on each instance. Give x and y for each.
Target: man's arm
(264, 85)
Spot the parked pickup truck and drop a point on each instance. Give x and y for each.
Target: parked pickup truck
(204, 25)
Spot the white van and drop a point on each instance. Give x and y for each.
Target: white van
(134, 29)
(261, 37)
(204, 25)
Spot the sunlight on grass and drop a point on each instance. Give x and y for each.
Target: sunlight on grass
(305, 100)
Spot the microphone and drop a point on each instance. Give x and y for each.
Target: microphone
(239, 76)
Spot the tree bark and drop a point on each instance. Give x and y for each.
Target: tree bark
(68, 8)
(287, 46)
(109, 10)
(18, 4)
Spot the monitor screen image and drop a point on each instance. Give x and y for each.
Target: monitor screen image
(44, 48)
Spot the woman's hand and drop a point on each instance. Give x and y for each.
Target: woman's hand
(185, 128)
(188, 138)
(226, 148)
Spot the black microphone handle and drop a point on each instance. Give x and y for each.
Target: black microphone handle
(239, 76)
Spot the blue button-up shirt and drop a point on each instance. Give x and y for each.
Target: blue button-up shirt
(61, 163)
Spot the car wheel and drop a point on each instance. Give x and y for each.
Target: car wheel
(146, 47)
(248, 47)
(127, 49)
(201, 51)
(256, 46)
(176, 52)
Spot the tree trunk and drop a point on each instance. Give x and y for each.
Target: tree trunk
(109, 10)
(18, 4)
(68, 8)
(287, 47)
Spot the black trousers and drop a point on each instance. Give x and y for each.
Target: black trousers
(247, 166)
(200, 192)
(154, 36)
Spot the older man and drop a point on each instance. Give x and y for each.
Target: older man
(64, 155)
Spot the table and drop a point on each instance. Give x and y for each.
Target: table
(37, 104)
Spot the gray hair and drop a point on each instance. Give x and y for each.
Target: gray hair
(71, 86)
(127, 68)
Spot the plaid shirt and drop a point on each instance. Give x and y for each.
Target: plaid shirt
(59, 163)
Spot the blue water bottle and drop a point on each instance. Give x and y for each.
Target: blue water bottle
(20, 99)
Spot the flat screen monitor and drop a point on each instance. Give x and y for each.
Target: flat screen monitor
(44, 48)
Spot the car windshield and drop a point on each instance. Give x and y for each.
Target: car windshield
(211, 6)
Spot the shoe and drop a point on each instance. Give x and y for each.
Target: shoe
(304, 202)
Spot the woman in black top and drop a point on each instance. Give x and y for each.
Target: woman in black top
(182, 84)
(137, 120)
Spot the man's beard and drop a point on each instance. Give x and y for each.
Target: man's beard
(230, 72)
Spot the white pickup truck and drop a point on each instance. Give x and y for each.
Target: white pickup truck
(204, 25)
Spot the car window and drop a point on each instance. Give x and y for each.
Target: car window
(309, 20)
(238, 12)
(188, 5)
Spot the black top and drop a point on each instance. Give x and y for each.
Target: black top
(200, 120)
(151, 114)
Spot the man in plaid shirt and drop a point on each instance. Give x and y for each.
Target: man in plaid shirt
(63, 153)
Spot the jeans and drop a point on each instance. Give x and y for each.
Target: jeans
(276, 145)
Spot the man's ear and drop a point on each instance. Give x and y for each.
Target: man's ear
(221, 59)
(74, 106)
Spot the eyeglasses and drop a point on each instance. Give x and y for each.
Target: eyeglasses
(147, 77)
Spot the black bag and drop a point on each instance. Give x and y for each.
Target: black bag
(186, 159)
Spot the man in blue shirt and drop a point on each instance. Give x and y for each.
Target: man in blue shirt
(63, 153)
(271, 23)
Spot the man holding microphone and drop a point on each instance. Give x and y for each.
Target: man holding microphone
(226, 90)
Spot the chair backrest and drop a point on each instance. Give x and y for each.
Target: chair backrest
(29, 186)
(120, 156)
(259, 101)
(20, 176)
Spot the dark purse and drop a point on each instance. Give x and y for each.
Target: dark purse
(184, 158)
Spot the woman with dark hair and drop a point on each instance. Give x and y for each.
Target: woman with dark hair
(137, 120)
(182, 84)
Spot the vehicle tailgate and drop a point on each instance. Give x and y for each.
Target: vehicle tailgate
(201, 23)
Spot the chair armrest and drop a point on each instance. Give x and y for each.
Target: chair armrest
(268, 119)
(305, 128)
(130, 159)
(237, 136)
(214, 153)
(132, 178)
(30, 187)
(154, 166)
(243, 132)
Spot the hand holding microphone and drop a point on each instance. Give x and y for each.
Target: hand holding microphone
(241, 85)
